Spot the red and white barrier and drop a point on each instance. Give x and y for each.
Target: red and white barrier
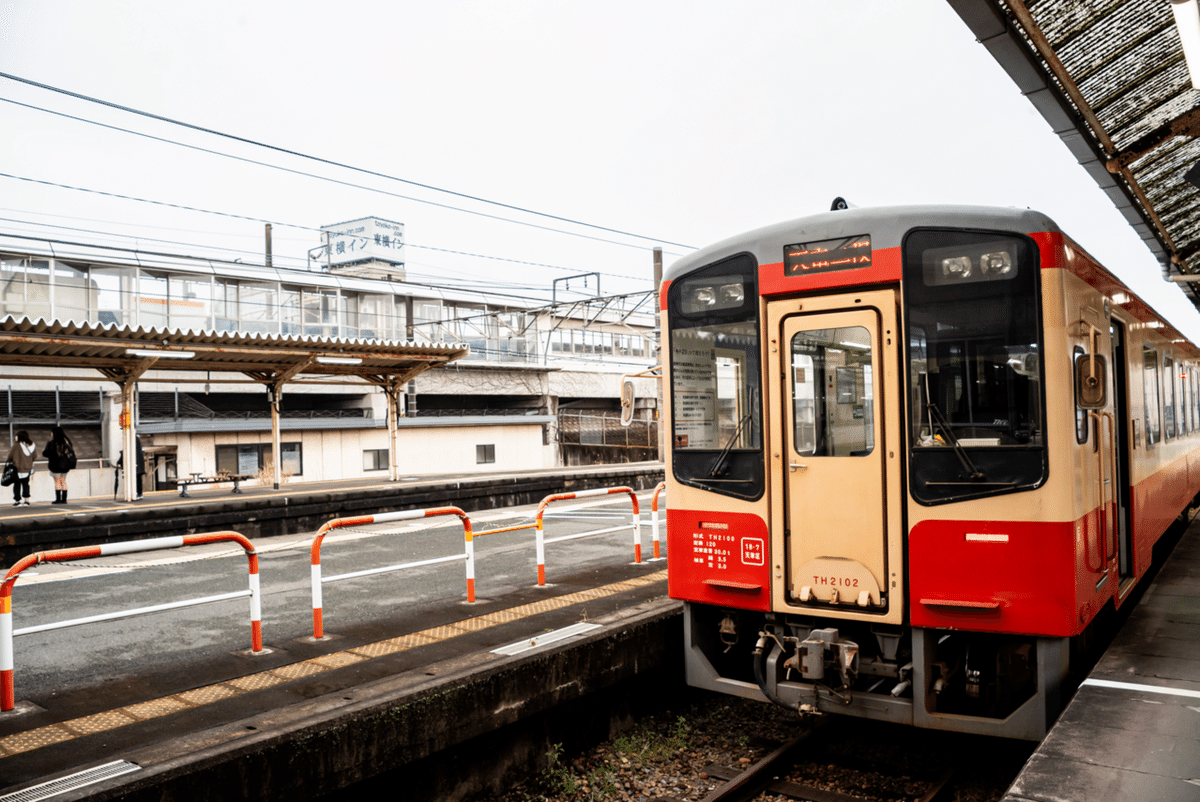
(404, 515)
(541, 536)
(7, 695)
(654, 517)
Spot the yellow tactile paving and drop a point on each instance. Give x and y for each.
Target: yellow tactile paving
(208, 694)
(338, 659)
(446, 632)
(155, 708)
(298, 670)
(256, 682)
(377, 649)
(35, 739)
(411, 640)
(110, 719)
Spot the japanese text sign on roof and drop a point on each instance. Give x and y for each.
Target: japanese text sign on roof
(365, 240)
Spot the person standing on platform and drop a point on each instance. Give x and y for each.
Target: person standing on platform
(139, 462)
(60, 455)
(21, 456)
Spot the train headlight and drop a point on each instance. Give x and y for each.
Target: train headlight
(996, 264)
(712, 296)
(959, 266)
(988, 260)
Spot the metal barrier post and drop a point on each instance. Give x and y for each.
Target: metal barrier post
(541, 547)
(7, 693)
(654, 517)
(541, 540)
(383, 517)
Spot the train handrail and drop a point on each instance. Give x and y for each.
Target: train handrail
(7, 661)
(659, 488)
(1112, 454)
(403, 515)
(603, 491)
(1102, 521)
(1107, 527)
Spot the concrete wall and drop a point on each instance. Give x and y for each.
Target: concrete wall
(338, 453)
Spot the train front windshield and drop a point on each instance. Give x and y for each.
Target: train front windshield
(715, 379)
(976, 395)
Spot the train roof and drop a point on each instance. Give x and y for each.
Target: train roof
(887, 225)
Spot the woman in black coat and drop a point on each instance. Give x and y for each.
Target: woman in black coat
(60, 456)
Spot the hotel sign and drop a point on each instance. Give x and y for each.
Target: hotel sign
(365, 240)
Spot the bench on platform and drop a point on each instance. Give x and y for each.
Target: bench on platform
(197, 479)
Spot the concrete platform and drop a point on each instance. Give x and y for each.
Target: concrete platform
(1132, 731)
(437, 707)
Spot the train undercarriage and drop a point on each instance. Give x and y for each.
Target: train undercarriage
(982, 683)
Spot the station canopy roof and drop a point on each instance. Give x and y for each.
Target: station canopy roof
(1110, 78)
(123, 354)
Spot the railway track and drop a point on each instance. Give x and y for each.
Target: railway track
(770, 776)
(716, 748)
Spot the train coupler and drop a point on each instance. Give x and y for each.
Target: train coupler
(822, 653)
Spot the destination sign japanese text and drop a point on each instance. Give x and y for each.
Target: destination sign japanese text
(843, 253)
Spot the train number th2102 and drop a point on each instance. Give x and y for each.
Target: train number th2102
(835, 581)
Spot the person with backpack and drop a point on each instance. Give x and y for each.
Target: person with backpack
(21, 456)
(60, 456)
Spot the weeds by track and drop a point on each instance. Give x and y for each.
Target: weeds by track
(687, 755)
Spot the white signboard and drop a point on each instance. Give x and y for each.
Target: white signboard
(695, 378)
(365, 240)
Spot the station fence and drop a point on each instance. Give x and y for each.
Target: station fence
(541, 535)
(660, 488)
(467, 556)
(7, 692)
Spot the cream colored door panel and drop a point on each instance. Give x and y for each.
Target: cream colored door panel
(835, 453)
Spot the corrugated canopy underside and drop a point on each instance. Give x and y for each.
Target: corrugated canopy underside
(122, 353)
(1110, 78)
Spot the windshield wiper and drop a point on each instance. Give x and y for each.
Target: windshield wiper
(720, 460)
(936, 417)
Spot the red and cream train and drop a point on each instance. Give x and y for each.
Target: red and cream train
(915, 452)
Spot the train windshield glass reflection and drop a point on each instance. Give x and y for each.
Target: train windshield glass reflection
(715, 376)
(975, 372)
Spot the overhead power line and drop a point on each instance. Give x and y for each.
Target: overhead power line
(259, 220)
(332, 163)
(304, 174)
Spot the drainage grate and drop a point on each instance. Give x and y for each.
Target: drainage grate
(71, 782)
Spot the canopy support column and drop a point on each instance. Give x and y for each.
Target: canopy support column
(275, 391)
(395, 406)
(127, 380)
(129, 441)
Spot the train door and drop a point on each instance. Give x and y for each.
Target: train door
(834, 463)
(1120, 442)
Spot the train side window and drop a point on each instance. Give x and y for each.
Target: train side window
(1195, 401)
(1081, 414)
(1185, 400)
(1169, 429)
(1150, 395)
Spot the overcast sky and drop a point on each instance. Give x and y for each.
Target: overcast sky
(682, 122)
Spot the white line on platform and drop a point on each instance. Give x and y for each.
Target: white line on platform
(1133, 686)
(545, 639)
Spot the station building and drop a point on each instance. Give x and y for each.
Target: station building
(540, 387)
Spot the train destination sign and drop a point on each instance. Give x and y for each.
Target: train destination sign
(843, 253)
